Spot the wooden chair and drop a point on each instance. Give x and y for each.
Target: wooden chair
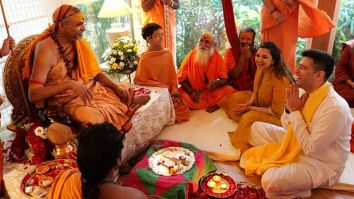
(15, 88)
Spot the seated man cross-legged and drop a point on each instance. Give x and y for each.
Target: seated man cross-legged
(312, 148)
(203, 75)
(63, 71)
(156, 68)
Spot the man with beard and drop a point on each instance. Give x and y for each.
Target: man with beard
(66, 74)
(242, 68)
(203, 75)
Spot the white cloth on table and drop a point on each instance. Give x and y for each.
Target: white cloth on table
(325, 147)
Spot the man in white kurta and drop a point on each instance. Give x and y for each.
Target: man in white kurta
(325, 142)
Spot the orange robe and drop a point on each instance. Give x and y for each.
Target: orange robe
(105, 105)
(269, 91)
(245, 80)
(200, 76)
(66, 185)
(156, 15)
(303, 20)
(156, 68)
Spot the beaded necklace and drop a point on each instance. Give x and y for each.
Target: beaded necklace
(64, 54)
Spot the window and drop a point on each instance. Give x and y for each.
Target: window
(25, 17)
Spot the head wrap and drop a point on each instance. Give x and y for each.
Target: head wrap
(61, 13)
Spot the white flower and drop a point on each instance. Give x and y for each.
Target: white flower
(120, 53)
(113, 59)
(136, 62)
(130, 45)
(41, 132)
(121, 64)
(122, 57)
(129, 50)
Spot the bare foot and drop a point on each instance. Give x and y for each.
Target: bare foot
(212, 109)
(141, 99)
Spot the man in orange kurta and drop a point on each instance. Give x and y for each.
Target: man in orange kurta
(156, 68)
(242, 69)
(203, 75)
(283, 21)
(154, 11)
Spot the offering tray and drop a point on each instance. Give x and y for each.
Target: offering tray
(171, 161)
(37, 183)
(218, 185)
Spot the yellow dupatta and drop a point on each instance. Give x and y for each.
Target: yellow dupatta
(259, 159)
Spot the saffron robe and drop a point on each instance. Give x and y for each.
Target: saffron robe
(156, 15)
(199, 77)
(66, 185)
(156, 68)
(105, 105)
(300, 20)
(245, 80)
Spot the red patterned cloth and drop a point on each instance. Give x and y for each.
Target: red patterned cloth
(177, 186)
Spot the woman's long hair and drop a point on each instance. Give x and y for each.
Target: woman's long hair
(278, 66)
(99, 148)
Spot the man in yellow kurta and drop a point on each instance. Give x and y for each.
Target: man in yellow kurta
(203, 75)
(156, 68)
(63, 70)
(154, 12)
(312, 149)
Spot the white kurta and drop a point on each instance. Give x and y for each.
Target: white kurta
(325, 146)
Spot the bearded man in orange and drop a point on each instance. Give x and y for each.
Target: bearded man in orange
(63, 71)
(156, 68)
(162, 12)
(203, 76)
(242, 69)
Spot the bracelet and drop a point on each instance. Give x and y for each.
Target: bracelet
(274, 10)
(171, 4)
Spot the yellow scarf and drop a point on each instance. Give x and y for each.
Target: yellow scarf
(258, 159)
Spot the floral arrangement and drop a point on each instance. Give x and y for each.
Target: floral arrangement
(122, 56)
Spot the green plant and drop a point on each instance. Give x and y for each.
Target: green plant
(345, 26)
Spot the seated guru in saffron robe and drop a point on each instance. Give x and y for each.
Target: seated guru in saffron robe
(312, 148)
(344, 73)
(66, 74)
(154, 12)
(283, 21)
(267, 101)
(156, 68)
(203, 75)
(98, 157)
(242, 68)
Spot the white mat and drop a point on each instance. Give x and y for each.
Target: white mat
(208, 132)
